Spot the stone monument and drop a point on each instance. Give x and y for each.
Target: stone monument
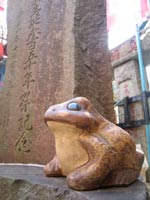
(56, 50)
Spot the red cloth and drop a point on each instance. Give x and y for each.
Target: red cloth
(111, 13)
(1, 50)
(116, 13)
(2, 5)
(144, 8)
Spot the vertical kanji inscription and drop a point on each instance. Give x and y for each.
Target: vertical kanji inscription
(25, 122)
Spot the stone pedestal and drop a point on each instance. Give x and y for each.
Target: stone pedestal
(128, 84)
(56, 50)
(22, 182)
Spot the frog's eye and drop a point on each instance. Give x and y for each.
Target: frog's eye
(74, 106)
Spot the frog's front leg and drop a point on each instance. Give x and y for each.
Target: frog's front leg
(102, 160)
(53, 168)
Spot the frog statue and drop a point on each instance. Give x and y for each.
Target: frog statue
(90, 150)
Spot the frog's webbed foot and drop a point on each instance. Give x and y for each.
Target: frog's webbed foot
(53, 168)
(102, 160)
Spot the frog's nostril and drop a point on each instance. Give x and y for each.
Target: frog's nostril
(53, 109)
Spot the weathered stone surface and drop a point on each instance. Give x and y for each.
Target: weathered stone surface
(56, 50)
(127, 80)
(27, 182)
(93, 73)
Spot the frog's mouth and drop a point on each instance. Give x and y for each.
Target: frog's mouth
(61, 128)
(71, 119)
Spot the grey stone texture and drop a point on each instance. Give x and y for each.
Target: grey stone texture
(56, 50)
(22, 182)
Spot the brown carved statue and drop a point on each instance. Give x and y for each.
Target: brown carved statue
(91, 151)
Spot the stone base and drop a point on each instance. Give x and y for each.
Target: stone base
(21, 182)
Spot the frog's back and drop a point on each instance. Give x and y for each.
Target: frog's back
(118, 138)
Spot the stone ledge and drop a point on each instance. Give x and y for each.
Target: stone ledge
(127, 58)
(21, 182)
